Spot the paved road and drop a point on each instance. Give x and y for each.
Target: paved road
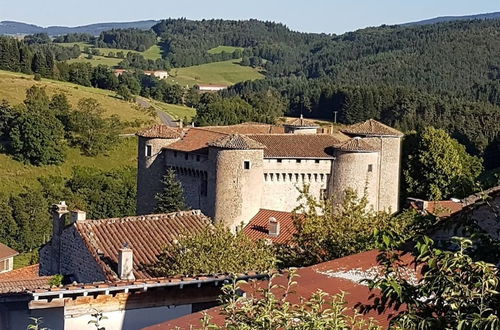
(164, 117)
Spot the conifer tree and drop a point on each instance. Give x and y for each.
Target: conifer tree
(171, 198)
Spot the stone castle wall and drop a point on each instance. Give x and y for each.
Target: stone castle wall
(283, 180)
(390, 167)
(150, 170)
(357, 171)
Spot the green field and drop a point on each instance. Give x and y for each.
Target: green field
(13, 88)
(16, 175)
(96, 60)
(227, 49)
(174, 110)
(225, 73)
(153, 53)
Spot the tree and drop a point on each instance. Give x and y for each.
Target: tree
(266, 309)
(455, 291)
(8, 225)
(437, 166)
(125, 93)
(37, 138)
(90, 131)
(171, 197)
(214, 250)
(327, 231)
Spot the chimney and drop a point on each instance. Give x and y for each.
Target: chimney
(78, 215)
(59, 212)
(274, 227)
(126, 263)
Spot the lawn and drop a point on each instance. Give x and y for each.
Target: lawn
(16, 175)
(13, 88)
(227, 49)
(225, 73)
(96, 60)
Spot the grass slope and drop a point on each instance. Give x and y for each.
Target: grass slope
(153, 53)
(13, 88)
(225, 73)
(16, 175)
(174, 110)
(220, 49)
(96, 60)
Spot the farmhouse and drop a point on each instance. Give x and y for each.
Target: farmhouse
(231, 173)
(6, 258)
(210, 88)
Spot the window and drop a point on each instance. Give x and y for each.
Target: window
(298, 160)
(316, 161)
(4, 265)
(197, 158)
(175, 153)
(370, 168)
(279, 160)
(186, 156)
(322, 194)
(149, 150)
(246, 164)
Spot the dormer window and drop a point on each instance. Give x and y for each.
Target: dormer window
(149, 150)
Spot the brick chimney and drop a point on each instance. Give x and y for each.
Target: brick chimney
(78, 215)
(59, 212)
(126, 263)
(274, 227)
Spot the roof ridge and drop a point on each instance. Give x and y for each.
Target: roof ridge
(151, 217)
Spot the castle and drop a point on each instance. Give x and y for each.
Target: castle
(232, 172)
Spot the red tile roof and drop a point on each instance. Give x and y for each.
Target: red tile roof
(161, 131)
(146, 235)
(258, 227)
(333, 277)
(247, 128)
(22, 279)
(357, 144)
(236, 141)
(299, 146)
(371, 128)
(195, 140)
(6, 252)
(300, 122)
(444, 208)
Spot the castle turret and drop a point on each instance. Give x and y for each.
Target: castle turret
(356, 167)
(237, 192)
(151, 164)
(388, 141)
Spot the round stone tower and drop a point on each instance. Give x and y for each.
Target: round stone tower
(356, 167)
(151, 164)
(388, 140)
(239, 179)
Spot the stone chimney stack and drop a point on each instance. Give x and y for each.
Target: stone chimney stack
(126, 263)
(78, 215)
(274, 227)
(59, 212)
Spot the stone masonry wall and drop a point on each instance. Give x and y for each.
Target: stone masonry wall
(283, 178)
(390, 167)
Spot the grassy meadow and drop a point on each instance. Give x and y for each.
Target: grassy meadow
(15, 175)
(225, 73)
(13, 88)
(227, 49)
(174, 110)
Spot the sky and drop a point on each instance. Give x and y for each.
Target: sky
(328, 16)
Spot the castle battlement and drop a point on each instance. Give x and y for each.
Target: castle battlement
(231, 172)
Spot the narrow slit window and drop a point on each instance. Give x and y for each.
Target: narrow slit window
(246, 164)
(149, 150)
(370, 168)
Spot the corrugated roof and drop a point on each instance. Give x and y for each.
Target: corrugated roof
(161, 131)
(372, 127)
(147, 236)
(299, 146)
(7, 252)
(356, 144)
(258, 227)
(236, 141)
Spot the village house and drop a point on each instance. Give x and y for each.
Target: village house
(6, 258)
(160, 74)
(232, 172)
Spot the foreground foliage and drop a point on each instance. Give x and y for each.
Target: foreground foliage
(214, 250)
(269, 308)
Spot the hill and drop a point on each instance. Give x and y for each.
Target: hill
(226, 73)
(19, 28)
(441, 19)
(13, 88)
